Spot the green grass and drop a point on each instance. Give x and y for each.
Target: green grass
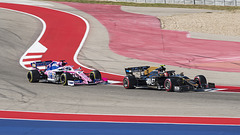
(230, 8)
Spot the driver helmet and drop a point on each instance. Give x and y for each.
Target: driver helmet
(64, 63)
(166, 74)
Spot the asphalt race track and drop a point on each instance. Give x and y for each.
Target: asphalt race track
(19, 31)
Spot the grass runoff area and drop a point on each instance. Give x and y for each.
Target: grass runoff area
(230, 8)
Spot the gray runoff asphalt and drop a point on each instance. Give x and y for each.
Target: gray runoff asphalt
(18, 32)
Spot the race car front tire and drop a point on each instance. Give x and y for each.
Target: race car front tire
(129, 82)
(33, 76)
(65, 77)
(201, 81)
(95, 75)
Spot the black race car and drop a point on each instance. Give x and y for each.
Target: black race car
(158, 77)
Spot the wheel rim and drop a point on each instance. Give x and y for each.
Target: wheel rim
(92, 76)
(29, 76)
(197, 80)
(125, 83)
(158, 86)
(168, 85)
(63, 79)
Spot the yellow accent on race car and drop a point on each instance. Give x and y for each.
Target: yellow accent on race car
(150, 69)
(65, 79)
(94, 76)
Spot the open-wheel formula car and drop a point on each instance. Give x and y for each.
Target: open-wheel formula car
(60, 72)
(158, 77)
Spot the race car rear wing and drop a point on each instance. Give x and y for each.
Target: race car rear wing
(131, 70)
(40, 63)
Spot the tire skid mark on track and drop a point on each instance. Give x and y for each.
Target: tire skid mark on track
(15, 92)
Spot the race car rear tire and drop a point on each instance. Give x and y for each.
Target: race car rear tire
(201, 81)
(169, 84)
(129, 82)
(33, 76)
(95, 75)
(65, 77)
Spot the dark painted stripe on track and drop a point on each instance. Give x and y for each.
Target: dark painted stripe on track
(23, 127)
(21, 123)
(118, 118)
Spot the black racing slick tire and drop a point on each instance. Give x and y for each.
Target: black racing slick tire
(33, 76)
(95, 75)
(129, 82)
(65, 77)
(201, 81)
(169, 84)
